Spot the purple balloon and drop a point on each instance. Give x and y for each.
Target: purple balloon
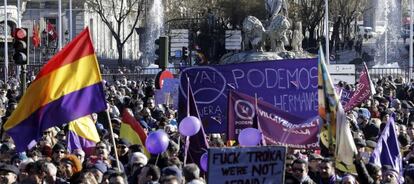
(189, 126)
(204, 161)
(250, 137)
(157, 142)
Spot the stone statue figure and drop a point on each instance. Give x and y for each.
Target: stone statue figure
(254, 34)
(297, 38)
(276, 33)
(274, 7)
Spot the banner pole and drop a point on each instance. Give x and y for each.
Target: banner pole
(113, 139)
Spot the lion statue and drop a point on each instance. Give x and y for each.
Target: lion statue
(254, 34)
(276, 33)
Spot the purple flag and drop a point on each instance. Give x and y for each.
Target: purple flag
(363, 91)
(278, 127)
(346, 96)
(387, 151)
(197, 144)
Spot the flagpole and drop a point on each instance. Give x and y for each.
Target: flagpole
(187, 138)
(6, 41)
(257, 119)
(410, 62)
(60, 25)
(19, 19)
(70, 20)
(327, 31)
(113, 139)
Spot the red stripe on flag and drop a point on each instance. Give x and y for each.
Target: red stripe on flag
(135, 125)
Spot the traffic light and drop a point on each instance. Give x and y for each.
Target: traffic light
(184, 53)
(161, 51)
(21, 46)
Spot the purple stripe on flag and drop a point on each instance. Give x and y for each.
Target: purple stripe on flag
(78, 142)
(67, 108)
(387, 151)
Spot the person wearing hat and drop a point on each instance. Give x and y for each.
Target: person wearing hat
(8, 174)
(363, 117)
(58, 152)
(360, 145)
(314, 160)
(98, 170)
(69, 166)
(122, 148)
(172, 171)
(137, 161)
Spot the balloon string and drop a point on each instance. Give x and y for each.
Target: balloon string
(156, 160)
(187, 145)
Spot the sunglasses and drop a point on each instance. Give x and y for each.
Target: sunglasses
(298, 170)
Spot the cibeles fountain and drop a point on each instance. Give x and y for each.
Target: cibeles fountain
(275, 35)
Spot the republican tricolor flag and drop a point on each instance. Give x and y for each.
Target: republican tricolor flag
(68, 87)
(82, 134)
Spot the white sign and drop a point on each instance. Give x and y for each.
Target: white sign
(178, 40)
(342, 72)
(233, 39)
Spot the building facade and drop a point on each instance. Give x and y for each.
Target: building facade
(44, 13)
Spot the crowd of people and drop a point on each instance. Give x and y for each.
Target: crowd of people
(50, 161)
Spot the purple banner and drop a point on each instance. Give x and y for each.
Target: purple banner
(362, 92)
(278, 127)
(289, 85)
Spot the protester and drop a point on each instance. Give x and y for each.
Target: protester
(50, 161)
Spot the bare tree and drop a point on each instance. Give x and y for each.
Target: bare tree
(115, 13)
(310, 12)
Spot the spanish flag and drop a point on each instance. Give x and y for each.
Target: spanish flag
(131, 130)
(68, 87)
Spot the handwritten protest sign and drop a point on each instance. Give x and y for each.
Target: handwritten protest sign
(168, 94)
(290, 85)
(253, 165)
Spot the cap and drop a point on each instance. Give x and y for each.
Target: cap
(360, 142)
(371, 144)
(138, 158)
(58, 147)
(9, 168)
(315, 156)
(100, 166)
(172, 170)
(364, 113)
(124, 142)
